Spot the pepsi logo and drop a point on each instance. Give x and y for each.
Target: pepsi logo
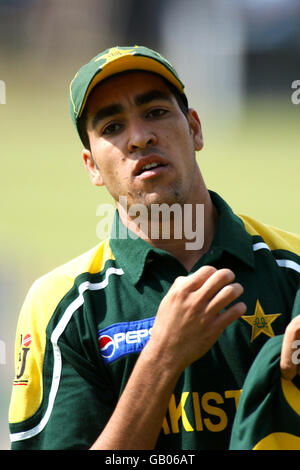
(120, 339)
(107, 346)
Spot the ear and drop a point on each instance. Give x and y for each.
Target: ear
(92, 168)
(196, 130)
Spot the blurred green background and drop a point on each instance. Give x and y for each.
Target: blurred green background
(238, 73)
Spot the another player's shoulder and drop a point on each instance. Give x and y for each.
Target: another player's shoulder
(52, 287)
(275, 238)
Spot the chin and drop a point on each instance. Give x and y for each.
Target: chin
(160, 198)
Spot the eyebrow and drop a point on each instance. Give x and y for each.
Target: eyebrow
(106, 112)
(139, 100)
(152, 95)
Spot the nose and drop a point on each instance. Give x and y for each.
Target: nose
(140, 135)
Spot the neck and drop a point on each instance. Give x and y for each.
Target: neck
(186, 232)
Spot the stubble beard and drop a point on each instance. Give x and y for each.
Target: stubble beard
(178, 192)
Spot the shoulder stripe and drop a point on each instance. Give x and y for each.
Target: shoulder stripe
(260, 246)
(287, 263)
(275, 238)
(283, 263)
(57, 353)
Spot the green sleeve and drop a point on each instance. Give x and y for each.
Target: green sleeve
(268, 415)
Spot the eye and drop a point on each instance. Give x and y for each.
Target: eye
(157, 112)
(111, 129)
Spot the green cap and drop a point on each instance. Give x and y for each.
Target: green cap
(112, 61)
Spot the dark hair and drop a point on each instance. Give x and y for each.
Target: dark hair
(82, 121)
(82, 130)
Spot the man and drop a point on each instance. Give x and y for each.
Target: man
(145, 341)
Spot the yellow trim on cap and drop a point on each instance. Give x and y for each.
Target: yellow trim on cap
(130, 62)
(71, 95)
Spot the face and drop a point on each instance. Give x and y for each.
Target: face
(142, 145)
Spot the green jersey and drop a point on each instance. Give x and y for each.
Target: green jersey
(82, 327)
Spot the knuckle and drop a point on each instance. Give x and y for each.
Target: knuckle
(207, 269)
(237, 289)
(227, 275)
(180, 287)
(294, 325)
(233, 290)
(179, 280)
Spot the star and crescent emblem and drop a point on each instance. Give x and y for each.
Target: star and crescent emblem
(260, 322)
(114, 53)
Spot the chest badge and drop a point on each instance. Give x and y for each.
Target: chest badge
(260, 322)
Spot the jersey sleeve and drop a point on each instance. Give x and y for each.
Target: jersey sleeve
(73, 412)
(62, 395)
(268, 415)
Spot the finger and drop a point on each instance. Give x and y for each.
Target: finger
(230, 315)
(289, 364)
(224, 297)
(214, 284)
(197, 279)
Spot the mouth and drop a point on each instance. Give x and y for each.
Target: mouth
(150, 166)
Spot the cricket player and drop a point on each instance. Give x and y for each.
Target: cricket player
(145, 341)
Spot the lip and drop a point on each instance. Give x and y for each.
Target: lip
(147, 161)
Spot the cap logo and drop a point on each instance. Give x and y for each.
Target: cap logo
(113, 54)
